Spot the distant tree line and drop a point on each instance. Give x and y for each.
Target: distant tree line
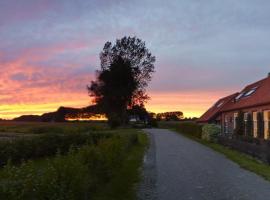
(170, 116)
(61, 114)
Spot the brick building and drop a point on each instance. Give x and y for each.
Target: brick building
(253, 100)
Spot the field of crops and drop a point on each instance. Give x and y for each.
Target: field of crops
(69, 161)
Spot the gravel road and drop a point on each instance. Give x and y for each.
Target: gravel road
(177, 168)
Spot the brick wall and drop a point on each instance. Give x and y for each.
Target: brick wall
(228, 121)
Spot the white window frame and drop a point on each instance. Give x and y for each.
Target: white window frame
(250, 92)
(255, 123)
(235, 115)
(245, 122)
(266, 118)
(226, 124)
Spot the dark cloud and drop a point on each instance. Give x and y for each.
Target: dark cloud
(19, 77)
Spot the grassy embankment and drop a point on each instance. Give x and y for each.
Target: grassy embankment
(193, 131)
(70, 161)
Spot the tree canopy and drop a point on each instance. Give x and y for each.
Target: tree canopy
(126, 69)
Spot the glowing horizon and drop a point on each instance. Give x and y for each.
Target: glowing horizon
(185, 102)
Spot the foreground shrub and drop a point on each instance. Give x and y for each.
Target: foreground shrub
(210, 132)
(75, 176)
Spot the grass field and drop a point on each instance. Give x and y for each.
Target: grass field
(17, 128)
(69, 161)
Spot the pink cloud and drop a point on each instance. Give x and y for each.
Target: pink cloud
(26, 83)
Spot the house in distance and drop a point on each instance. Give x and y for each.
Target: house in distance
(253, 101)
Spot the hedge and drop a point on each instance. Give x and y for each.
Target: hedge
(189, 128)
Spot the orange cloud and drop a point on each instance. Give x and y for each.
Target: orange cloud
(30, 89)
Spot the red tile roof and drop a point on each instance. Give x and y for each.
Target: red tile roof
(212, 112)
(260, 96)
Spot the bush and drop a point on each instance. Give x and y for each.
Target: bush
(210, 132)
(189, 128)
(152, 122)
(75, 176)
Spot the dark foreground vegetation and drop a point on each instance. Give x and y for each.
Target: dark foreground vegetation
(70, 161)
(194, 131)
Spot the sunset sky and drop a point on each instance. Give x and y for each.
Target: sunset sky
(49, 50)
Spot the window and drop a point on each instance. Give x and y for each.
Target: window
(250, 92)
(226, 124)
(245, 122)
(235, 115)
(220, 104)
(245, 117)
(239, 96)
(266, 117)
(255, 124)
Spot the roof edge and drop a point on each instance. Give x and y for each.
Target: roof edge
(243, 107)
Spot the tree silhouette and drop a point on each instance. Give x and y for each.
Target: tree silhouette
(170, 116)
(139, 112)
(126, 69)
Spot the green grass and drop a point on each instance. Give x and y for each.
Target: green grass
(243, 160)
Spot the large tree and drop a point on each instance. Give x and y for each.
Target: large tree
(126, 69)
